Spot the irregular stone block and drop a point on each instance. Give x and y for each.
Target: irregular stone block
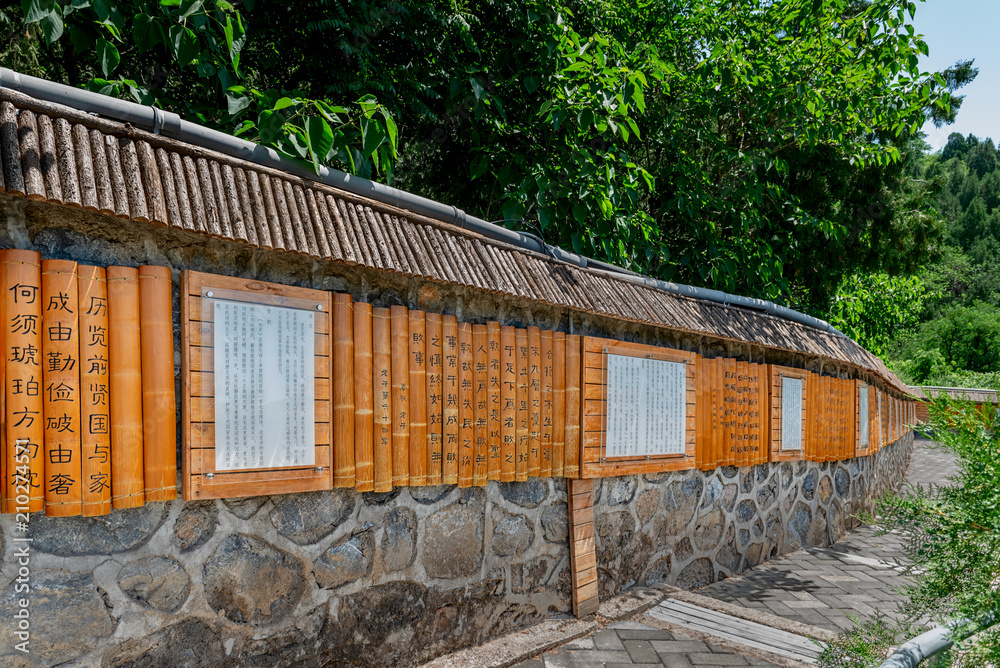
(619, 491)
(67, 616)
(252, 581)
(399, 539)
(680, 501)
(746, 510)
(842, 482)
(646, 504)
(555, 523)
(195, 524)
(512, 534)
(118, 531)
(430, 493)
(160, 583)
(345, 561)
(708, 530)
(527, 494)
(825, 489)
(190, 642)
(453, 537)
(699, 573)
(809, 486)
(245, 508)
(307, 518)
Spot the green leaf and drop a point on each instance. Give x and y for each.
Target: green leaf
(530, 83)
(184, 44)
(319, 139)
(191, 9)
(284, 103)
(481, 167)
(107, 56)
(52, 26)
(477, 87)
(36, 10)
(109, 16)
(236, 104)
(145, 31)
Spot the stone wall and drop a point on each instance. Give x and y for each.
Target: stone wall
(344, 579)
(692, 528)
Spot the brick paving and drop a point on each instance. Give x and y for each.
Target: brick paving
(817, 586)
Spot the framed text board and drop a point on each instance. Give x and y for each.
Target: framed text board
(862, 430)
(638, 409)
(790, 391)
(256, 368)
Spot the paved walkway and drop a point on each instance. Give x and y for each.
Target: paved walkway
(813, 586)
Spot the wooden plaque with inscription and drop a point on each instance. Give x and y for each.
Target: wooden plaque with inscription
(638, 409)
(256, 364)
(789, 396)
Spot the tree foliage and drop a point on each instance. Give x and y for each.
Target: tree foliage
(756, 146)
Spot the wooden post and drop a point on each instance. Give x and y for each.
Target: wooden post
(382, 406)
(522, 421)
(95, 416)
(364, 401)
(534, 401)
(418, 398)
(494, 459)
(22, 299)
(545, 458)
(400, 328)
(571, 464)
(558, 403)
(343, 391)
(435, 398)
(582, 547)
(508, 403)
(159, 401)
(466, 415)
(124, 344)
(450, 412)
(61, 382)
(480, 400)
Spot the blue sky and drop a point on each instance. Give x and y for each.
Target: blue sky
(959, 30)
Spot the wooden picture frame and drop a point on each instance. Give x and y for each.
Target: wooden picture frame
(593, 462)
(775, 374)
(201, 480)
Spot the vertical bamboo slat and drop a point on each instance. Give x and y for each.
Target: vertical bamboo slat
(480, 401)
(719, 412)
(508, 404)
(558, 403)
(343, 391)
(61, 382)
(364, 400)
(450, 375)
(466, 413)
(522, 420)
(729, 366)
(399, 327)
(493, 400)
(127, 480)
(94, 381)
(740, 399)
(545, 459)
(435, 398)
(571, 463)
(159, 401)
(22, 278)
(383, 390)
(534, 401)
(418, 398)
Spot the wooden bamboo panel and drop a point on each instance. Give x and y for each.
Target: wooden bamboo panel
(199, 293)
(364, 399)
(701, 412)
(742, 409)
(159, 401)
(545, 458)
(466, 412)
(382, 405)
(534, 400)
(729, 418)
(343, 391)
(435, 398)
(61, 383)
(558, 403)
(764, 390)
(95, 414)
(22, 299)
(480, 400)
(451, 373)
(493, 423)
(399, 327)
(574, 379)
(508, 403)
(418, 398)
(522, 420)
(124, 341)
(582, 544)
